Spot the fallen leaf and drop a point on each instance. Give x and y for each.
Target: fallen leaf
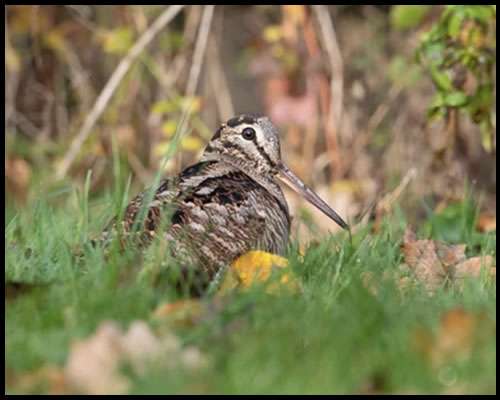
(183, 312)
(93, 364)
(372, 284)
(410, 236)
(422, 258)
(472, 267)
(376, 384)
(436, 263)
(369, 281)
(17, 177)
(49, 378)
(459, 330)
(257, 266)
(15, 289)
(486, 223)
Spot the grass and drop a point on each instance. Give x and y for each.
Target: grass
(335, 337)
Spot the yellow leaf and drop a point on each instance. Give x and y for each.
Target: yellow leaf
(26, 19)
(168, 127)
(193, 104)
(295, 13)
(164, 107)
(278, 50)
(258, 265)
(347, 185)
(272, 33)
(12, 61)
(161, 148)
(118, 40)
(55, 40)
(191, 143)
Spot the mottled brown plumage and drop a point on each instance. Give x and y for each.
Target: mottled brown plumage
(227, 204)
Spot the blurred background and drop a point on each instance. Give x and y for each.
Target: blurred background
(381, 109)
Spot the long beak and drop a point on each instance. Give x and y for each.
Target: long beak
(292, 180)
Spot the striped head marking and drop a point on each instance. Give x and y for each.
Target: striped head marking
(249, 141)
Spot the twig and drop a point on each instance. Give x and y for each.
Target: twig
(321, 83)
(25, 125)
(329, 39)
(199, 50)
(11, 81)
(386, 203)
(112, 85)
(378, 116)
(140, 171)
(192, 20)
(330, 44)
(82, 14)
(313, 49)
(384, 206)
(219, 82)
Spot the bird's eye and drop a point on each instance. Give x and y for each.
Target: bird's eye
(248, 133)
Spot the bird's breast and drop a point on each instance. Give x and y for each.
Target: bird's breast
(226, 215)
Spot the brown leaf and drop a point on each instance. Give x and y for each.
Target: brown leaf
(190, 312)
(486, 223)
(472, 267)
(436, 263)
(369, 282)
(15, 289)
(17, 177)
(421, 257)
(409, 236)
(183, 312)
(49, 378)
(450, 254)
(93, 364)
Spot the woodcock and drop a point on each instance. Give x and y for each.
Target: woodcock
(227, 204)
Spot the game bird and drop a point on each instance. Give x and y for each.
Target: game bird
(226, 205)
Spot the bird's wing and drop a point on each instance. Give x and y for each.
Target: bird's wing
(211, 212)
(219, 218)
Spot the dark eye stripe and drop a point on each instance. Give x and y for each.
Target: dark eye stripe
(264, 154)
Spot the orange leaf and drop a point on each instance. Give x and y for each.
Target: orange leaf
(486, 223)
(458, 331)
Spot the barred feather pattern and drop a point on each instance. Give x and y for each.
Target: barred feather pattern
(217, 211)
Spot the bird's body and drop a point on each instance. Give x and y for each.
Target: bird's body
(227, 204)
(217, 213)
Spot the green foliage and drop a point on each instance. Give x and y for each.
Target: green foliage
(408, 16)
(403, 71)
(335, 337)
(459, 53)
